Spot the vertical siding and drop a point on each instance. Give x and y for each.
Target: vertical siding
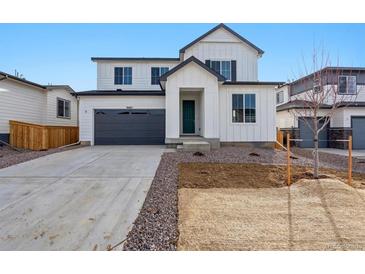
(21, 102)
(193, 77)
(246, 56)
(141, 74)
(261, 131)
(51, 108)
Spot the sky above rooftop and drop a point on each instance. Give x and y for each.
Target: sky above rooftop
(60, 53)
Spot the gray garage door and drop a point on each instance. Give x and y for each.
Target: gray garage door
(129, 127)
(306, 133)
(358, 132)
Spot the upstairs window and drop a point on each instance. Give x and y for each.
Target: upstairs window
(224, 68)
(243, 108)
(347, 85)
(63, 108)
(280, 97)
(123, 76)
(156, 72)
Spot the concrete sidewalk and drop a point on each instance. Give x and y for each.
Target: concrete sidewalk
(343, 152)
(81, 199)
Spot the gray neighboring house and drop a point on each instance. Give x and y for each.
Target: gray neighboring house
(29, 102)
(349, 118)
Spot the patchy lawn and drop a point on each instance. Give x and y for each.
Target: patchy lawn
(248, 207)
(156, 227)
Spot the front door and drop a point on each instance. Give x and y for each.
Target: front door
(188, 116)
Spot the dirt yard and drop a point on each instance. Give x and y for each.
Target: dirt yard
(248, 207)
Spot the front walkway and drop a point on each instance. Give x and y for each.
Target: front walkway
(81, 199)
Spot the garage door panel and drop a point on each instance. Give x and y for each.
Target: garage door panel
(306, 133)
(129, 127)
(358, 132)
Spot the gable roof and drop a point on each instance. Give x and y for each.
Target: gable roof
(187, 61)
(260, 51)
(9, 76)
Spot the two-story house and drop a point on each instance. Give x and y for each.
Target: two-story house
(210, 92)
(348, 119)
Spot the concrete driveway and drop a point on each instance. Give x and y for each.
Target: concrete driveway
(82, 199)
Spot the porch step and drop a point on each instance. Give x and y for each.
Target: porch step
(194, 146)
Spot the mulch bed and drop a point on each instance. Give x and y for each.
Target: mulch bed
(9, 156)
(156, 226)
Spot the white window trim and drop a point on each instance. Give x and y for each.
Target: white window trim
(231, 113)
(64, 108)
(347, 85)
(278, 95)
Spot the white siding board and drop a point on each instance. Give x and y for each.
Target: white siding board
(51, 108)
(264, 128)
(192, 76)
(20, 102)
(141, 74)
(245, 56)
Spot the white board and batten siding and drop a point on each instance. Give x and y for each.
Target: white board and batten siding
(51, 108)
(193, 77)
(222, 45)
(21, 102)
(264, 128)
(88, 104)
(141, 74)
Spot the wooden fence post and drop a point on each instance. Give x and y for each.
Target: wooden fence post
(288, 157)
(350, 161)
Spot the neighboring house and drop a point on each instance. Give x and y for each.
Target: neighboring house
(30, 102)
(210, 92)
(349, 119)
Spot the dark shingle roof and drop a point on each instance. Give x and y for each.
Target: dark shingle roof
(187, 61)
(120, 93)
(9, 76)
(297, 104)
(260, 51)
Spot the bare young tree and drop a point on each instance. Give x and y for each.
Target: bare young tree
(323, 97)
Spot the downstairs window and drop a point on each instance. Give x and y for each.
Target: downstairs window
(63, 108)
(244, 108)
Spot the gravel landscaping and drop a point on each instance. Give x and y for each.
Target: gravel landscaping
(333, 160)
(9, 156)
(156, 226)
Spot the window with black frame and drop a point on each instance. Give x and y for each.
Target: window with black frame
(244, 108)
(347, 85)
(123, 76)
(63, 108)
(156, 73)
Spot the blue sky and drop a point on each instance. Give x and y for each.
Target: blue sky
(60, 53)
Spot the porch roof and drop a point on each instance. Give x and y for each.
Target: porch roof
(164, 77)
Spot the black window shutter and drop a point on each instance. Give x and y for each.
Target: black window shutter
(207, 62)
(233, 71)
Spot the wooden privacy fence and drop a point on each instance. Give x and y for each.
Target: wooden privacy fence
(279, 139)
(41, 137)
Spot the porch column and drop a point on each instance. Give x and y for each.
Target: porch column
(172, 101)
